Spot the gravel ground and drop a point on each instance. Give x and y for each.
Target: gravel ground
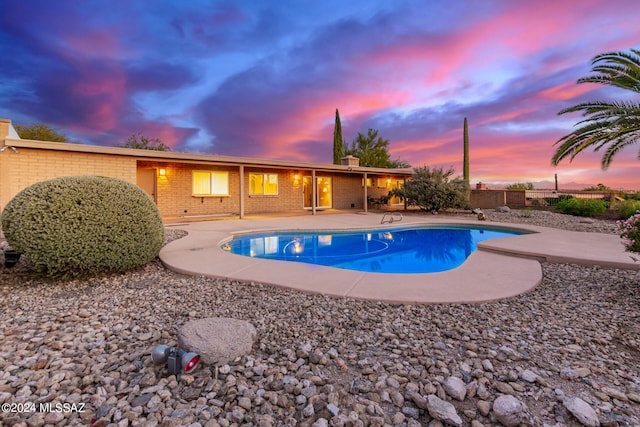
(567, 353)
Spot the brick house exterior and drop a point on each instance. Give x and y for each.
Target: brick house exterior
(171, 178)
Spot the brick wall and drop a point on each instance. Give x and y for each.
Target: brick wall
(174, 191)
(28, 166)
(347, 191)
(289, 196)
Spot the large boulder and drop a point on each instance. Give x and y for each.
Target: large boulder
(217, 340)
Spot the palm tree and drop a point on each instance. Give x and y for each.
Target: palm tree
(607, 124)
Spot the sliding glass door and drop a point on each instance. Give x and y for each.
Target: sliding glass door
(323, 192)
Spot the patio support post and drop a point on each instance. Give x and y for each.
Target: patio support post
(314, 191)
(364, 194)
(241, 191)
(404, 184)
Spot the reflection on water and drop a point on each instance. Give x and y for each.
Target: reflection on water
(423, 250)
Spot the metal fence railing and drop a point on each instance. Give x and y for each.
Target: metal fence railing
(552, 197)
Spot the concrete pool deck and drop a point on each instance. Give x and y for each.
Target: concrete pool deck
(500, 268)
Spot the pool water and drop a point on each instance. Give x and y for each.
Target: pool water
(399, 250)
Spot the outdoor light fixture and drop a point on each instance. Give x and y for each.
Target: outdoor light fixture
(11, 257)
(177, 360)
(163, 172)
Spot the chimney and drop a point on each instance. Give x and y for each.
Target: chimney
(350, 161)
(7, 130)
(5, 125)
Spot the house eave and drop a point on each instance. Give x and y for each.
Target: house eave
(170, 156)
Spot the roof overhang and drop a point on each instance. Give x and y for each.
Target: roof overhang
(170, 156)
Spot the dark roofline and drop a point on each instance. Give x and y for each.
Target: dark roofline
(169, 156)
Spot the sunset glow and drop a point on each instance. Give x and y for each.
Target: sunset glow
(263, 79)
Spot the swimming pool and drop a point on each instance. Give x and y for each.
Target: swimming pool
(393, 250)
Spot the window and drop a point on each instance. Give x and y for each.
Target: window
(210, 183)
(263, 183)
(382, 182)
(368, 182)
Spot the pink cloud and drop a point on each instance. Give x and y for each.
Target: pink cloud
(564, 91)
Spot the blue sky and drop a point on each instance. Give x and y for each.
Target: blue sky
(263, 79)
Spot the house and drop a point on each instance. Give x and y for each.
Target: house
(198, 185)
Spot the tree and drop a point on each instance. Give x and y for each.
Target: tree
(432, 190)
(40, 132)
(599, 187)
(139, 142)
(465, 142)
(372, 151)
(612, 125)
(520, 186)
(338, 141)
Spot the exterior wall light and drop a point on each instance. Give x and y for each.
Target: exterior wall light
(162, 172)
(177, 360)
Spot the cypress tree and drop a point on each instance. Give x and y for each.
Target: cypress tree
(338, 149)
(465, 161)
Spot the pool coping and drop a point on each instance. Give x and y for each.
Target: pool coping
(500, 268)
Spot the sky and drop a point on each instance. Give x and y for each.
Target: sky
(263, 79)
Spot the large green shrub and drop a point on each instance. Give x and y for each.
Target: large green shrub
(582, 207)
(80, 225)
(627, 208)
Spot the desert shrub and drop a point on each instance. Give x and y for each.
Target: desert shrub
(582, 207)
(82, 225)
(539, 202)
(520, 186)
(433, 190)
(627, 208)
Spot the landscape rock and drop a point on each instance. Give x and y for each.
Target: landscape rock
(217, 340)
(443, 411)
(508, 410)
(528, 376)
(503, 209)
(319, 360)
(455, 388)
(582, 411)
